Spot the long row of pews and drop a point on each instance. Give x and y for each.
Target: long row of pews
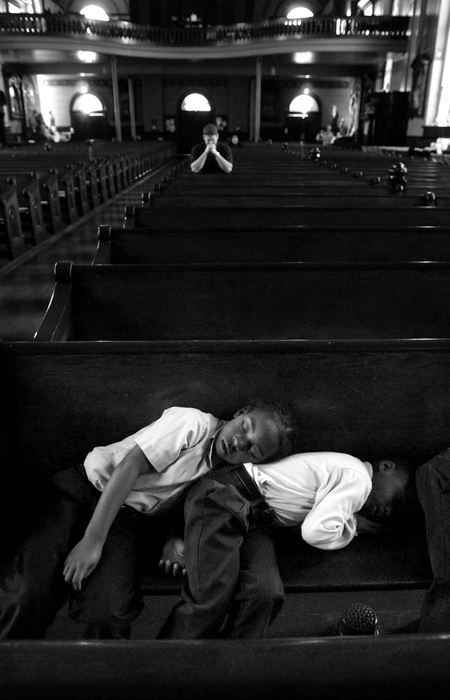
(321, 281)
(45, 190)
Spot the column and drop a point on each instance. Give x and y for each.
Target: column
(116, 103)
(132, 109)
(257, 101)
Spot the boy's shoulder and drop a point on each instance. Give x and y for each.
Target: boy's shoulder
(188, 414)
(327, 461)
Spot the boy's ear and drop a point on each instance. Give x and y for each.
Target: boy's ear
(386, 465)
(245, 409)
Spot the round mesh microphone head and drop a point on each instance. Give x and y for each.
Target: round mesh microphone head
(358, 618)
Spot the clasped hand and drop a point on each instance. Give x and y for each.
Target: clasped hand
(82, 561)
(172, 557)
(211, 148)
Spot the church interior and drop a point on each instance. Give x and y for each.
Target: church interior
(305, 262)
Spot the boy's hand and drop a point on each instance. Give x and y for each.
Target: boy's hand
(172, 557)
(82, 561)
(366, 526)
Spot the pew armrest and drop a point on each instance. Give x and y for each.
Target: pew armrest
(57, 322)
(103, 253)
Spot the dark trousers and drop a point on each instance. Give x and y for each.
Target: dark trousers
(233, 586)
(433, 490)
(110, 598)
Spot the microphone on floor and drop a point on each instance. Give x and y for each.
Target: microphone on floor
(358, 619)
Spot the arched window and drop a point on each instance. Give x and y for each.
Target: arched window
(299, 12)
(195, 102)
(87, 104)
(95, 12)
(366, 6)
(303, 104)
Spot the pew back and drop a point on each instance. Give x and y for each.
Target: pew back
(371, 400)
(146, 246)
(255, 218)
(254, 301)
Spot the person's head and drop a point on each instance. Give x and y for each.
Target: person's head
(392, 489)
(257, 433)
(210, 134)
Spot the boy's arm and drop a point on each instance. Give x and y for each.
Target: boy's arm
(85, 556)
(331, 523)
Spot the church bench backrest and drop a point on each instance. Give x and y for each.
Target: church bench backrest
(133, 246)
(268, 301)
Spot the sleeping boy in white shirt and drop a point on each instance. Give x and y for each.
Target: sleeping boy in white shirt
(332, 496)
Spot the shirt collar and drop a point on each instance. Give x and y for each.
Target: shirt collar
(209, 454)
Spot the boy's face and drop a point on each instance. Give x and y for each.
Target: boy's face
(248, 437)
(388, 491)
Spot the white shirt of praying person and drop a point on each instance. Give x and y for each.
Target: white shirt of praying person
(321, 491)
(178, 445)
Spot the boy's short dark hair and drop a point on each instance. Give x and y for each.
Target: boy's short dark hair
(285, 421)
(410, 502)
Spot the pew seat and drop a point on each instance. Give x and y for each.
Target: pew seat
(368, 399)
(371, 399)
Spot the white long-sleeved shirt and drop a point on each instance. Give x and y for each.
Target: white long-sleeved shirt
(178, 445)
(322, 491)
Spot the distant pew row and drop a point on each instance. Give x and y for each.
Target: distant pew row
(42, 192)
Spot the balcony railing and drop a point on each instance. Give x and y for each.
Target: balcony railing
(77, 26)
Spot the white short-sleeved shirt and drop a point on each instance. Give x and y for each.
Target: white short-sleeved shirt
(322, 491)
(178, 445)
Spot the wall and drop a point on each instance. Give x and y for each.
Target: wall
(57, 92)
(161, 96)
(327, 92)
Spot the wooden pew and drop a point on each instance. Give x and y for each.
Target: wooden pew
(243, 200)
(368, 399)
(376, 668)
(28, 191)
(146, 246)
(245, 300)
(255, 218)
(12, 235)
(331, 190)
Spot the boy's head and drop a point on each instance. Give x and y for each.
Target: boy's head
(257, 433)
(392, 489)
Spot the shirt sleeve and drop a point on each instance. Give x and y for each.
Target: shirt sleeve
(178, 429)
(225, 151)
(331, 523)
(196, 151)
